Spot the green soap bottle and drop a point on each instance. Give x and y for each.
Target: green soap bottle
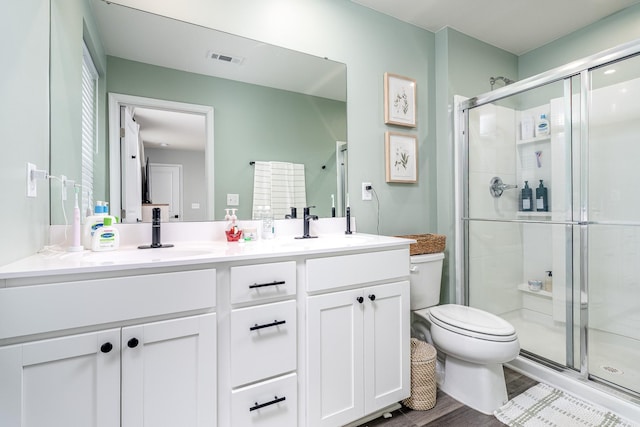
(542, 201)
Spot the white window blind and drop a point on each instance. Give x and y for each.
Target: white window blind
(89, 125)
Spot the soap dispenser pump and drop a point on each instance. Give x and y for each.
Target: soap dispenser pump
(526, 203)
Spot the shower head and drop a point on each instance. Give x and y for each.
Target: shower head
(506, 80)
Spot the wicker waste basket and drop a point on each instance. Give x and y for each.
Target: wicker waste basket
(426, 243)
(423, 376)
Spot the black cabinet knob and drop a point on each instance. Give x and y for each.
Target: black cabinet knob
(106, 347)
(360, 300)
(372, 297)
(133, 343)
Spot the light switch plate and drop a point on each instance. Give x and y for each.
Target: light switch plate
(233, 199)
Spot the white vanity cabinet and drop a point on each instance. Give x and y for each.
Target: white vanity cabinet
(263, 345)
(169, 373)
(67, 381)
(133, 373)
(357, 339)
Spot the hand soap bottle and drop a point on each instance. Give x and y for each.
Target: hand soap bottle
(542, 201)
(526, 202)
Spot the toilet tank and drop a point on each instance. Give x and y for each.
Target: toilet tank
(426, 274)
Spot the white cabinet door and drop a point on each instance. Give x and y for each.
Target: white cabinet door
(387, 370)
(358, 352)
(335, 352)
(66, 382)
(169, 373)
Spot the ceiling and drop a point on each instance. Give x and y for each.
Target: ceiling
(516, 26)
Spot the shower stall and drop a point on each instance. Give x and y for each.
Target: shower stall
(549, 230)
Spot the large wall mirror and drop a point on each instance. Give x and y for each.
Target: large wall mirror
(208, 107)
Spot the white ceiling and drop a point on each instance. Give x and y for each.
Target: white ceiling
(171, 130)
(516, 26)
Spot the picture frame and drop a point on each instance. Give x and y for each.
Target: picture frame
(401, 157)
(399, 100)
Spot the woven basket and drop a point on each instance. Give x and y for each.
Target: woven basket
(423, 376)
(426, 243)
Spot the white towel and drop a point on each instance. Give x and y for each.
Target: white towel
(280, 185)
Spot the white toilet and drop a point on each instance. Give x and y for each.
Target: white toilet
(472, 344)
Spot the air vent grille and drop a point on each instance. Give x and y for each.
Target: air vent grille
(232, 59)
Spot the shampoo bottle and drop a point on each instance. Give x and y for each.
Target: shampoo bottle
(526, 202)
(542, 201)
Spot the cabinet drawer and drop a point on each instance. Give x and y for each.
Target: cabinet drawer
(263, 341)
(262, 282)
(270, 403)
(45, 308)
(347, 270)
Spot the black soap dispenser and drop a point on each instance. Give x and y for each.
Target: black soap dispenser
(526, 202)
(542, 201)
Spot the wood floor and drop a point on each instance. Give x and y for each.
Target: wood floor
(450, 412)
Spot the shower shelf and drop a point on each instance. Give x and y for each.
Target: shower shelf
(533, 140)
(534, 214)
(525, 288)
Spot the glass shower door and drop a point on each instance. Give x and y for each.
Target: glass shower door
(519, 226)
(614, 224)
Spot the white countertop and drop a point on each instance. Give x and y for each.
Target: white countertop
(189, 253)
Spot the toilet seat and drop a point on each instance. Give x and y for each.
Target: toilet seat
(472, 322)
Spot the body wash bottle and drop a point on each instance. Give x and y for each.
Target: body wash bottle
(542, 126)
(542, 201)
(526, 202)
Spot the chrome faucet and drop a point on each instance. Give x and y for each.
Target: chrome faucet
(306, 218)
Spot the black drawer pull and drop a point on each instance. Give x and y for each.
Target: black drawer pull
(275, 400)
(262, 285)
(268, 325)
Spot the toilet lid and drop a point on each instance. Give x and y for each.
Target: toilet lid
(471, 321)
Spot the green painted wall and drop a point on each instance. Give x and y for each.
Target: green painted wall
(250, 123)
(24, 122)
(463, 67)
(71, 23)
(614, 30)
(370, 44)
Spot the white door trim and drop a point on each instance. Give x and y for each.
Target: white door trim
(116, 100)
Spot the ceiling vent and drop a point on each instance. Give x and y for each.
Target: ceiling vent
(232, 59)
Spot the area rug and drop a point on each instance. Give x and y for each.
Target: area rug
(543, 405)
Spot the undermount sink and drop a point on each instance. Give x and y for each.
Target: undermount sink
(327, 241)
(130, 255)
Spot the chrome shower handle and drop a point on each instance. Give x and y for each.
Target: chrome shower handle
(497, 187)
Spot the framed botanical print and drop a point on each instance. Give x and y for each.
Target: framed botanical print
(399, 100)
(401, 157)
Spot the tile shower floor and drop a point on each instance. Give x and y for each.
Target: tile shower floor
(612, 357)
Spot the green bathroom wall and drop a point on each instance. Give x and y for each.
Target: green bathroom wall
(251, 123)
(463, 67)
(24, 121)
(370, 44)
(609, 32)
(71, 23)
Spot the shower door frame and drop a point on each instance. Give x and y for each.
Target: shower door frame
(579, 68)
